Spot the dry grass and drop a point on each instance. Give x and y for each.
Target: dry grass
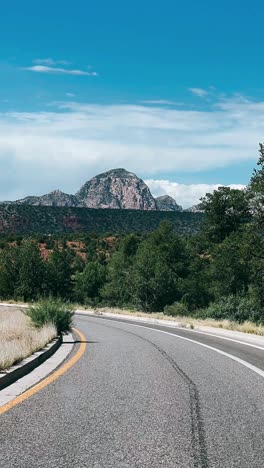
(19, 338)
(245, 327)
(189, 322)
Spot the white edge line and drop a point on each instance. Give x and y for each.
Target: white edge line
(230, 356)
(215, 335)
(154, 322)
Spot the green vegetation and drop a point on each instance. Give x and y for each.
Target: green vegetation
(50, 311)
(26, 219)
(216, 273)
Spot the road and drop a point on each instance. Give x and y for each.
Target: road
(140, 397)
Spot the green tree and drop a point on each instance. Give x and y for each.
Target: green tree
(230, 269)
(256, 189)
(256, 239)
(172, 247)
(88, 283)
(160, 264)
(9, 271)
(60, 272)
(31, 282)
(254, 251)
(225, 210)
(195, 288)
(117, 290)
(152, 281)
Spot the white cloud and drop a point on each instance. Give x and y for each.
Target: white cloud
(185, 195)
(70, 94)
(50, 61)
(198, 92)
(64, 147)
(57, 70)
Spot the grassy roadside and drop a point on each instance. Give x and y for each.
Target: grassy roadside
(19, 338)
(187, 322)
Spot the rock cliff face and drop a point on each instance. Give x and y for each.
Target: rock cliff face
(167, 203)
(55, 198)
(118, 189)
(196, 208)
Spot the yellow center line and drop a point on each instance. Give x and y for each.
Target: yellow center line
(48, 380)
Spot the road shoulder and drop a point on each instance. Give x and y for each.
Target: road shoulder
(39, 373)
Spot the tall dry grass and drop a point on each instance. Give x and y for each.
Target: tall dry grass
(19, 338)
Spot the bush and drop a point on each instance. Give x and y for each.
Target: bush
(178, 308)
(52, 311)
(237, 308)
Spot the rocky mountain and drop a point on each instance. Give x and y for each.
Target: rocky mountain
(55, 198)
(195, 208)
(167, 203)
(118, 189)
(115, 189)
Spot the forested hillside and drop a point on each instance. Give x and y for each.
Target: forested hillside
(26, 219)
(218, 272)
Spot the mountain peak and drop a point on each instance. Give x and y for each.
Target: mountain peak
(56, 192)
(117, 188)
(167, 203)
(119, 172)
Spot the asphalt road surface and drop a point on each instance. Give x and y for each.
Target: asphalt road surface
(142, 398)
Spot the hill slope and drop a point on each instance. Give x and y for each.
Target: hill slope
(55, 198)
(26, 219)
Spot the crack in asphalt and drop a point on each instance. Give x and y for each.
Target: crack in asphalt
(197, 425)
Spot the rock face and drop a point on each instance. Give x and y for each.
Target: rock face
(55, 198)
(118, 189)
(167, 203)
(195, 208)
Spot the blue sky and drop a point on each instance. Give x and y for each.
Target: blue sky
(170, 90)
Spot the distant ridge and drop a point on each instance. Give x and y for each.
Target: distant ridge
(114, 189)
(54, 198)
(167, 203)
(196, 208)
(23, 219)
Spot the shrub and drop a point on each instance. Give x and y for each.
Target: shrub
(178, 308)
(56, 312)
(237, 308)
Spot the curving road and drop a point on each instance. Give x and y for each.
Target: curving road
(140, 397)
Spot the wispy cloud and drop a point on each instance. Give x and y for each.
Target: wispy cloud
(200, 92)
(70, 94)
(57, 70)
(50, 61)
(44, 150)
